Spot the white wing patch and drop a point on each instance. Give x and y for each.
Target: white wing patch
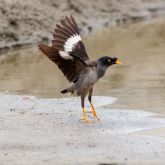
(71, 42)
(69, 45)
(65, 55)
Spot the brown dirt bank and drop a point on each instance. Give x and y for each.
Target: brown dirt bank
(27, 22)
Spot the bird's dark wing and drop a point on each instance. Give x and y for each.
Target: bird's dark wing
(68, 50)
(71, 68)
(68, 41)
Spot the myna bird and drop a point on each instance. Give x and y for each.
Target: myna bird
(68, 53)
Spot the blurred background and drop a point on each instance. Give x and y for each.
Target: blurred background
(134, 31)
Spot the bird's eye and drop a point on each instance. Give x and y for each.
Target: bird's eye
(109, 60)
(81, 45)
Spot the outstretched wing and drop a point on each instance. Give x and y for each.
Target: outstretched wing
(67, 50)
(71, 68)
(68, 41)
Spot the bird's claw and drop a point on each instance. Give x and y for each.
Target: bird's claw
(86, 119)
(94, 115)
(86, 116)
(97, 118)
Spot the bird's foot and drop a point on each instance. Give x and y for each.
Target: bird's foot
(85, 119)
(95, 115)
(94, 112)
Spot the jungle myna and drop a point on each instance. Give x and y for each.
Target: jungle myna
(69, 54)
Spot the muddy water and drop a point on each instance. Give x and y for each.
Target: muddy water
(139, 83)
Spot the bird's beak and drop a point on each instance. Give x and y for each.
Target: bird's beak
(118, 62)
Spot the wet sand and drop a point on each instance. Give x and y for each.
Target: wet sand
(132, 128)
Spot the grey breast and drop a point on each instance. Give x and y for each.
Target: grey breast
(86, 80)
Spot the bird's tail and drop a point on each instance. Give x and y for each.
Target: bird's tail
(70, 89)
(64, 91)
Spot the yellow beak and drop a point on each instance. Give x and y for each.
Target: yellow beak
(118, 62)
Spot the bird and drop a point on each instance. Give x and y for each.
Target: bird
(68, 52)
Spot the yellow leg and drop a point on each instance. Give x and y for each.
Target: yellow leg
(85, 117)
(94, 112)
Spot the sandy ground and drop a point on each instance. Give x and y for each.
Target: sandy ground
(46, 131)
(27, 22)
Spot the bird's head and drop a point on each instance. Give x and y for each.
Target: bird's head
(108, 61)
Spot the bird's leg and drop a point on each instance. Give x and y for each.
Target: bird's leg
(85, 117)
(94, 112)
(90, 100)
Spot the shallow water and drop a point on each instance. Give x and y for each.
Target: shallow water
(139, 83)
